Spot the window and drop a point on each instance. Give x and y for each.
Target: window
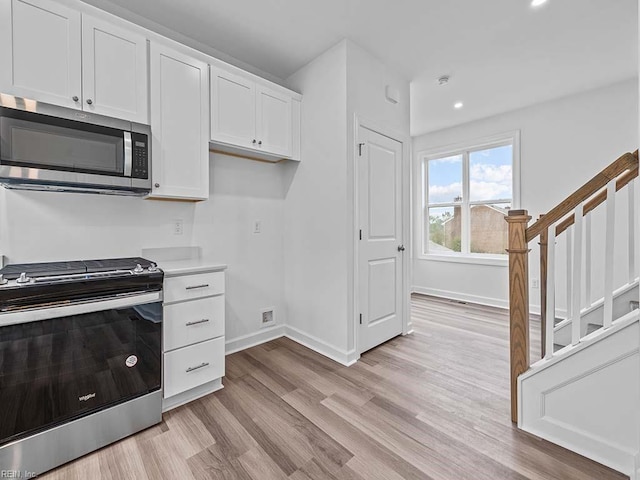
(467, 192)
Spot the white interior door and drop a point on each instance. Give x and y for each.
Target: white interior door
(380, 248)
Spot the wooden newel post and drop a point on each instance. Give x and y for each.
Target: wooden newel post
(518, 300)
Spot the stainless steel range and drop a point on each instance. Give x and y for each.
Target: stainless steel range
(80, 358)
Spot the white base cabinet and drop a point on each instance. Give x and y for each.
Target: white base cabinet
(193, 336)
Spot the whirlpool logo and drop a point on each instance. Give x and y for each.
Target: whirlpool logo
(89, 396)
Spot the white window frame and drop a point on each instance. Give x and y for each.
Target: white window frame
(464, 149)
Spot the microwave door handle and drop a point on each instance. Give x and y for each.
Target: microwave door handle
(128, 154)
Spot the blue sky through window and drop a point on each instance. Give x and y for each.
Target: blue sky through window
(490, 176)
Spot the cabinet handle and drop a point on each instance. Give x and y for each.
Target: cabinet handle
(89, 101)
(75, 98)
(254, 141)
(193, 287)
(157, 185)
(260, 142)
(202, 365)
(197, 322)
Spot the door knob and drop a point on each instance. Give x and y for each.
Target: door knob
(401, 248)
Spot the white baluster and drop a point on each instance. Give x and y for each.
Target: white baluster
(569, 235)
(551, 292)
(632, 231)
(576, 324)
(587, 260)
(608, 253)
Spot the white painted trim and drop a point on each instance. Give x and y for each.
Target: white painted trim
(254, 339)
(470, 258)
(191, 395)
(462, 297)
(405, 140)
(321, 347)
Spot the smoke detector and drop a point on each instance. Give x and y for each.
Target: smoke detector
(443, 80)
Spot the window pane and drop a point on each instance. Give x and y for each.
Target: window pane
(444, 230)
(490, 174)
(445, 179)
(489, 233)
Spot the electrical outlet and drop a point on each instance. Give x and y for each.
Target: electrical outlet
(257, 226)
(535, 283)
(178, 226)
(268, 317)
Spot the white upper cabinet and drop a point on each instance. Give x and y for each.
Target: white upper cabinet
(179, 125)
(274, 113)
(251, 119)
(54, 54)
(40, 51)
(233, 110)
(114, 66)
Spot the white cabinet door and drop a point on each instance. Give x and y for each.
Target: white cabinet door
(233, 109)
(273, 112)
(179, 125)
(40, 51)
(114, 71)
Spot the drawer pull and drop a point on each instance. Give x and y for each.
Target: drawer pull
(193, 287)
(197, 322)
(202, 365)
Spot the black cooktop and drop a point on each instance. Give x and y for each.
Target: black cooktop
(49, 269)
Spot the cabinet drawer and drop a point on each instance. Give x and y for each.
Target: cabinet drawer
(188, 287)
(189, 367)
(193, 321)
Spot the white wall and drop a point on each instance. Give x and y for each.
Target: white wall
(45, 226)
(319, 209)
(315, 208)
(563, 144)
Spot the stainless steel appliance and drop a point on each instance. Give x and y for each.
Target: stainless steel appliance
(80, 358)
(46, 147)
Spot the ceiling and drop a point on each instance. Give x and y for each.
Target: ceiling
(501, 54)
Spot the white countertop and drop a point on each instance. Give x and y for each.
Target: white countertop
(173, 268)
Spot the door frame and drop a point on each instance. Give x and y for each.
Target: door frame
(405, 140)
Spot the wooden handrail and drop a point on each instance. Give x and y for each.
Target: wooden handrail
(628, 161)
(622, 181)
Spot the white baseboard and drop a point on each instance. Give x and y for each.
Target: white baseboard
(462, 297)
(253, 339)
(346, 358)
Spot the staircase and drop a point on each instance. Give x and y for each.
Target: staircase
(584, 393)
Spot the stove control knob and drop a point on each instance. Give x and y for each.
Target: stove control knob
(3, 281)
(23, 278)
(153, 267)
(138, 269)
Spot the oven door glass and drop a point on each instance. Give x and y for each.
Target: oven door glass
(55, 370)
(37, 141)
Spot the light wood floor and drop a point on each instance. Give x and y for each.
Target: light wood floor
(432, 405)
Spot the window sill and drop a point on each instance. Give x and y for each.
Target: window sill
(477, 259)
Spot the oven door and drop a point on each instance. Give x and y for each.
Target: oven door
(75, 360)
(44, 148)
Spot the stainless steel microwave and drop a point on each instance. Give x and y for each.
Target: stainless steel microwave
(46, 147)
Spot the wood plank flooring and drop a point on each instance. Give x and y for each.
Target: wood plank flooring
(431, 405)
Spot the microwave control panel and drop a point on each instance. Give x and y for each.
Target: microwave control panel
(140, 166)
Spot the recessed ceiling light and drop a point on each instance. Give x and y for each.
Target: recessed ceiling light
(537, 3)
(458, 105)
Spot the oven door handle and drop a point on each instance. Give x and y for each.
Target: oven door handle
(79, 308)
(128, 154)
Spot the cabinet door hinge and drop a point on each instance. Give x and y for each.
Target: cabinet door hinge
(360, 145)
(360, 319)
